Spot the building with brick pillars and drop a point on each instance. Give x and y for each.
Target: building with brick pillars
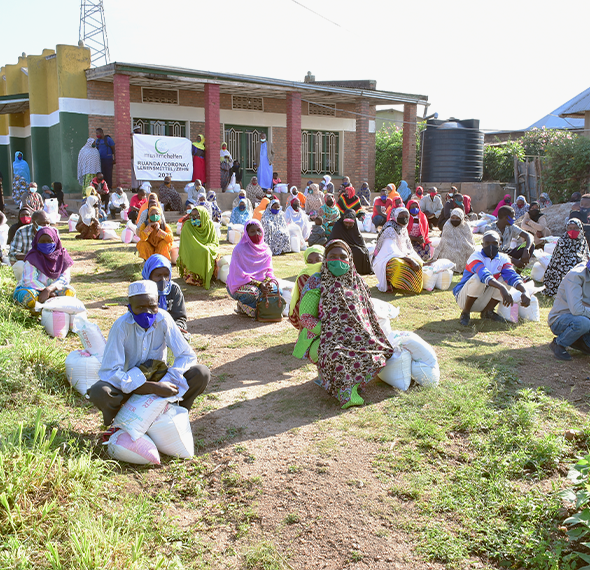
(51, 103)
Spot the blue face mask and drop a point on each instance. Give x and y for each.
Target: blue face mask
(46, 248)
(414, 211)
(384, 197)
(510, 220)
(196, 223)
(242, 207)
(275, 210)
(144, 320)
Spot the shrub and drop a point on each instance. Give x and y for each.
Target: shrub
(566, 167)
(498, 161)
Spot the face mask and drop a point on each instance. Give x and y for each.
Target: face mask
(573, 233)
(309, 191)
(32, 189)
(189, 211)
(491, 251)
(419, 194)
(202, 201)
(25, 220)
(295, 207)
(510, 220)
(20, 157)
(196, 223)
(337, 267)
(256, 239)
(262, 140)
(155, 218)
(36, 227)
(384, 197)
(161, 285)
(46, 248)
(274, 211)
(414, 211)
(144, 320)
(402, 222)
(506, 200)
(432, 195)
(330, 202)
(456, 222)
(242, 207)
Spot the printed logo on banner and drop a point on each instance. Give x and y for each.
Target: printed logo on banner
(157, 157)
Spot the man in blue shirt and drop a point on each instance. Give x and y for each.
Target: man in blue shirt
(106, 149)
(484, 280)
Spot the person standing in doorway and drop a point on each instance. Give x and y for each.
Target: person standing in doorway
(106, 149)
(263, 157)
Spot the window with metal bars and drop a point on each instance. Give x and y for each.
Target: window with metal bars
(320, 152)
(160, 127)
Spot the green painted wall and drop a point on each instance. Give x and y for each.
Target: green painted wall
(73, 136)
(41, 163)
(6, 169)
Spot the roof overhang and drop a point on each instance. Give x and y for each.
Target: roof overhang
(244, 85)
(10, 104)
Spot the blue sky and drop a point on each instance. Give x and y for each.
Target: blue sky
(507, 63)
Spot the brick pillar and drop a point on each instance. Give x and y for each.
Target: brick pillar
(212, 136)
(362, 144)
(294, 139)
(122, 173)
(409, 145)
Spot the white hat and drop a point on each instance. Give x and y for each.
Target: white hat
(143, 287)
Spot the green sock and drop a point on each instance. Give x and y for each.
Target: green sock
(355, 399)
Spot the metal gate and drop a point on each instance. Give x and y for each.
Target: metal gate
(241, 142)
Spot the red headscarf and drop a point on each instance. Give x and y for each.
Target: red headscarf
(422, 220)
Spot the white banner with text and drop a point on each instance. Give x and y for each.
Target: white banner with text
(157, 157)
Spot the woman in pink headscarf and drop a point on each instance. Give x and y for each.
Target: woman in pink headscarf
(250, 269)
(503, 202)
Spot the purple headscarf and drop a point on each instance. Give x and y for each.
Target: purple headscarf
(53, 264)
(249, 261)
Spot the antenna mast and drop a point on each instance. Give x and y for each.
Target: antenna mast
(93, 31)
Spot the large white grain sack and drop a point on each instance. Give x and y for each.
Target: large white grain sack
(295, 244)
(172, 434)
(509, 313)
(367, 223)
(51, 206)
(127, 235)
(442, 264)
(90, 336)
(223, 273)
(71, 305)
(550, 247)
(142, 451)
(532, 312)
(371, 247)
(435, 242)
(72, 222)
(444, 279)
(178, 228)
(82, 370)
(419, 348)
(429, 278)
(138, 413)
(124, 214)
(538, 272)
(108, 234)
(398, 370)
(425, 374)
(225, 218)
(3, 235)
(384, 309)
(56, 323)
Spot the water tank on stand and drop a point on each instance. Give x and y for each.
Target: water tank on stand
(452, 151)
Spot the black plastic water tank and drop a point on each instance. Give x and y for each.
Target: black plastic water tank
(452, 151)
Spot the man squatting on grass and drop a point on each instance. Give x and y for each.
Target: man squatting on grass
(140, 337)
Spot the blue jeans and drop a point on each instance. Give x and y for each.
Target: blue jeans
(379, 220)
(568, 329)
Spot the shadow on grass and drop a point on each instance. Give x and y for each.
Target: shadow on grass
(231, 322)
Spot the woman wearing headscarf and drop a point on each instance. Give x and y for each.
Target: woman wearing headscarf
(157, 268)
(24, 218)
(198, 250)
(240, 214)
(198, 150)
(226, 164)
(544, 200)
(142, 215)
(535, 222)
(31, 198)
(155, 236)
(21, 176)
(456, 241)
(454, 200)
(243, 195)
(313, 257)
(215, 209)
(396, 264)
(503, 202)
(295, 215)
(314, 199)
(364, 194)
(330, 214)
(250, 270)
(521, 207)
(326, 185)
(347, 230)
(88, 226)
(276, 234)
(340, 331)
(202, 202)
(46, 272)
(418, 194)
(254, 191)
(88, 163)
(348, 200)
(260, 209)
(404, 191)
(571, 249)
(299, 195)
(418, 231)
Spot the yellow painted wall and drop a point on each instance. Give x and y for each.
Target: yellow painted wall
(17, 82)
(3, 118)
(72, 62)
(43, 98)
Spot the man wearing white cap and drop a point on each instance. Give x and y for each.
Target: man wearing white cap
(484, 282)
(140, 337)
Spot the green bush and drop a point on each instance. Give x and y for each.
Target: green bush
(498, 161)
(566, 167)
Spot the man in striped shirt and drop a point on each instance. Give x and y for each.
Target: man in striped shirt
(484, 282)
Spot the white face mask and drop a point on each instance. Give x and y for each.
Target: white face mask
(33, 189)
(262, 140)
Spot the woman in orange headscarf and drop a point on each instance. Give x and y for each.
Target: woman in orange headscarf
(155, 235)
(260, 209)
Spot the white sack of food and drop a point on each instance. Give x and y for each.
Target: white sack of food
(56, 323)
(425, 374)
(72, 222)
(398, 370)
(532, 312)
(138, 413)
(63, 303)
(418, 347)
(92, 339)
(442, 264)
(538, 272)
(82, 370)
(444, 279)
(172, 434)
(142, 451)
(429, 278)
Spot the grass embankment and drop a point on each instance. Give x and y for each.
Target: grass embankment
(471, 468)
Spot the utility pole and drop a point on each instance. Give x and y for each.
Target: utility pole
(93, 31)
